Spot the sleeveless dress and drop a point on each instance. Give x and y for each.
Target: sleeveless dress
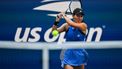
(74, 57)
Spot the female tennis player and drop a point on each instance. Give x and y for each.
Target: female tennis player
(75, 31)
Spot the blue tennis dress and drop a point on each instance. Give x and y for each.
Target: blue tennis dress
(74, 57)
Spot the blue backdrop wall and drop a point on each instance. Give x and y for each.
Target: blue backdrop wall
(14, 14)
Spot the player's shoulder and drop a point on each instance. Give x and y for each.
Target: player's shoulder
(84, 24)
(83, 27)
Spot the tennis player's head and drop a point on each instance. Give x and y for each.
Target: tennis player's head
(78, 14)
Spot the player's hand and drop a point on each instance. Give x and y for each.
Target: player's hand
(62, 14)
(58, 18)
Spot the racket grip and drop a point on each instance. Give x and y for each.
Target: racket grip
(59, 16)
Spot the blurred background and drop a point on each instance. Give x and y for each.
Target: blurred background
(14, 14)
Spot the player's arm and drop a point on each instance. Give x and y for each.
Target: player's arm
(81, 26)
(55, 25)
(62, 28)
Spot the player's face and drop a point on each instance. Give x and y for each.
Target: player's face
(78, 17)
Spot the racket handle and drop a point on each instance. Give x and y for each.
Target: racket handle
(59, 16)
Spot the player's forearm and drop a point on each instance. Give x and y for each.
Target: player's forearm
(69, 21)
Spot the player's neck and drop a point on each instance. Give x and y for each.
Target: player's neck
(78, 21)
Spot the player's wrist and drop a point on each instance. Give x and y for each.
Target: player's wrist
(56, 23)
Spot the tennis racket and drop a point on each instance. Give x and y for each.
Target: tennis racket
(73, 5)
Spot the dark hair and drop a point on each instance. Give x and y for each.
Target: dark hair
(78, 11)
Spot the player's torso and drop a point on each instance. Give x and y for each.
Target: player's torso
(74, 34)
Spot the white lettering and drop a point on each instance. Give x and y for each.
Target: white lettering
(36, 37)
(98, 30)
(25, 35)
(35, 34)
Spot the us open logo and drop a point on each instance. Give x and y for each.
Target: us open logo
(50, 5)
